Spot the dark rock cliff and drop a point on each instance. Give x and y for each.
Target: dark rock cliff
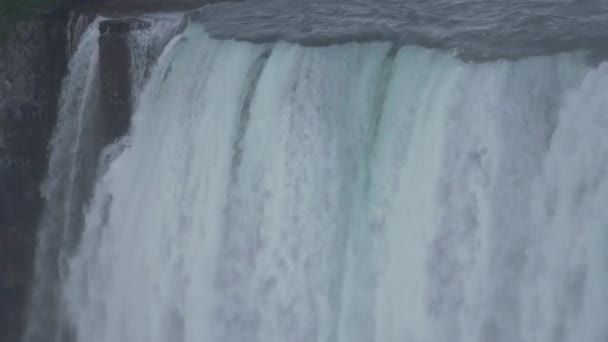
(32, 62)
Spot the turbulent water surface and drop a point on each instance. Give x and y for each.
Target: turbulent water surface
(473, 30)
(359, 192)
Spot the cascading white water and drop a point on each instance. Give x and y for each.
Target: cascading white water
(146, 44)
(62, 189)
(350, 193)
(73, 162)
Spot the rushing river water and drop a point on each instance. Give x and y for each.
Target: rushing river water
(474, 30)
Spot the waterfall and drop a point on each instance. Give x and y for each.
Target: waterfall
(355, 192)
(76, 148)
(70, 145)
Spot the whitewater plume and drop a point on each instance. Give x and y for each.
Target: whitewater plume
(62, 189)
(76, 148)
(354, 192)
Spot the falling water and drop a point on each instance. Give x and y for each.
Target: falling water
(62, 189)
(354, 192)
(73, 165)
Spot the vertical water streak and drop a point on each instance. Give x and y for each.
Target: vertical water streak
(566, 285)
(147, 44)
(362, 265)
(77, 26)
(61, 190)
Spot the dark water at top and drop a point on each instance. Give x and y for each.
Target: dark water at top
(473, 30)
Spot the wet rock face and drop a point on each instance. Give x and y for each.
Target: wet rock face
(32, 60)
(116, 83)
